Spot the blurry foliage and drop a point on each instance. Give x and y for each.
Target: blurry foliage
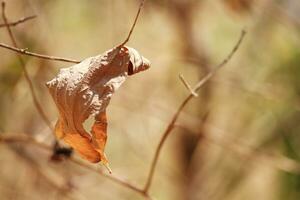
(8, 78)
(239, 6)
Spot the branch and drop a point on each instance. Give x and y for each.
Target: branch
(23, 138)
(187, 85)
(24, 19)
(30, 84)
(111, 177)
(170, 126)
(54, 58)
(134, 23)
(223, 63)
(47, 57)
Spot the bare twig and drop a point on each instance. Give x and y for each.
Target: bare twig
(181, 107)
(28, 53)
(134, 23)
(54, 58)
(24, 19)
(34, 97)
(224, 62)
(187, 85)
(111, 177)
(26, 139)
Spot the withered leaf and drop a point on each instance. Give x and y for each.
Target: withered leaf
(85, 89)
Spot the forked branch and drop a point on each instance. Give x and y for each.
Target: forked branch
(166, 133)
(187, 86)
(24, 19)
(170, 126)
(30, 140)
(55, 58)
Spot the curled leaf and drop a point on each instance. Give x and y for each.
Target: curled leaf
(85, 89)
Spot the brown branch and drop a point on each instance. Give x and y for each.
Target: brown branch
(47, 57)
(24, 19)
(187, 86)
(170, 126)
(60, 186)
(54, 58)
(134, 23)
(28, 80)
(24, 138)
(224, 62)
(111, 177)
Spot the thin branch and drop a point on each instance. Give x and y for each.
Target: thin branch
(24, 19)
(54, 58)
(277, 161)
(111, 177)
(224, 62)
(47, 57)
(170, 126)
(30, 84)
(187, 85)
(134, 23)
(24, 138)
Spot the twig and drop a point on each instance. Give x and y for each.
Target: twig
(224, 62)
(24, 138)
(54, 58)
(34, 97)
(134, 23)
(187, 85)
(24, 19)
(47, 57)
(111, 177)
(181, 107)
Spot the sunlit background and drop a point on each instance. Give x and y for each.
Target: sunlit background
(238, 140)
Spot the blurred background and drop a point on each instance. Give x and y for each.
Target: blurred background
(228, 141)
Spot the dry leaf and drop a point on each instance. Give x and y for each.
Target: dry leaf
(85, 89)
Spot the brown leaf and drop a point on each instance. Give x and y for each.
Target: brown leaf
(85, 89)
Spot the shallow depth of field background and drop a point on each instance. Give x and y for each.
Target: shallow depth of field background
(253, 102)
